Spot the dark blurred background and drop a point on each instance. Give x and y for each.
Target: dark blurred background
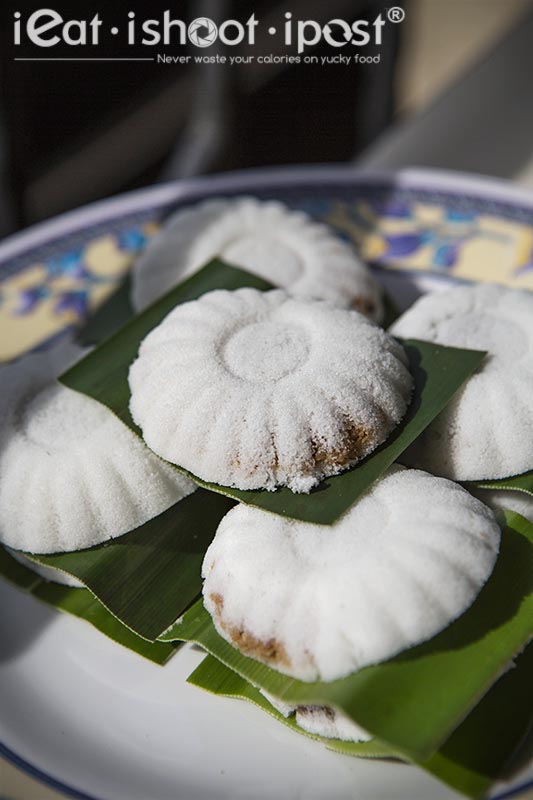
(76, 132)
(73, 132)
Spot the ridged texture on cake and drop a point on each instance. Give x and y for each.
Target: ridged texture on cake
(256, 390)
(285, 247)
(320, 602)
(72, 475)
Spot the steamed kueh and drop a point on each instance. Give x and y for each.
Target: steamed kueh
(487, 429)
(320, 720)
(507, 500)
(48, 573)
(71, 474)
(266, 238)
(320, 602)
(329, 723)
(257, 390)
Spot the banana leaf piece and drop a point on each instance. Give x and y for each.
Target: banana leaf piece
(212, 676)
(438, 373)
(115, 312)
(391, 312)
(149, 576)
(516, 483)
(80, 603)
(494, 741)
(439, 682)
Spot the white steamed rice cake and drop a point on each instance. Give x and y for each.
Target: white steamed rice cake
(258, 389)
(320, 602)
(48, 573)
(266, 238)
(72, 475)
(320, 720)
(507, 500)
(487, 429)
(329, 723)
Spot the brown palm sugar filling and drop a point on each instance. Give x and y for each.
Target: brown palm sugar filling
(328, 712)
(270, 650)
(364, 305)
(355, 443)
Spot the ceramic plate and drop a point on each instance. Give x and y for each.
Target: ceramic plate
(99, 722)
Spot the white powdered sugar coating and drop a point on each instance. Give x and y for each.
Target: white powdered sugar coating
(320, 602)
(258, 389)
(487, 429)
(72, 475)
(330, 724)
(285, 247)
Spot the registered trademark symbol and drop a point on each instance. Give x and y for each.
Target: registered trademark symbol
(396, 14)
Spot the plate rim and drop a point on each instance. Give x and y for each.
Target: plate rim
(422, 179)
(44, 777)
